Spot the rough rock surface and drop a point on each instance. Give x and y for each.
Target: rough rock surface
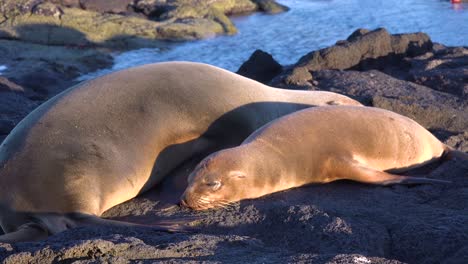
(36, 72)
(444, 70)
(43, 71)
(363, 50)
(432, 109)
(14, 106)
(123, 23)
(260, 67)
(340, 222)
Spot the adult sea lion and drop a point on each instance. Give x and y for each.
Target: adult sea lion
(315, 145)
(105, 141)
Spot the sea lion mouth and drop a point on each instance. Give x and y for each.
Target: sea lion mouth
(204, 203)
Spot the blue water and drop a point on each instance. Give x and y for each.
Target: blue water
(310, 25)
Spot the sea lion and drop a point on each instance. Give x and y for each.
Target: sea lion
(315, 145)
(104, 141)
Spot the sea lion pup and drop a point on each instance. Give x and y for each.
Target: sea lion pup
(315, 145)
(104, 141)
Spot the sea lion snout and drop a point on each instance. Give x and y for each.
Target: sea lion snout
(183, 203)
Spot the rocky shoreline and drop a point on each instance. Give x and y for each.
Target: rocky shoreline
(341, 222)
(127, 24)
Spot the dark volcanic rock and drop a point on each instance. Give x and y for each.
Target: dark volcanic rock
(260, 66)
(458, 141)
(363, 50)
(47, 9)
(8, 86)
(432, 109)
(44, 71)
(13, 108)
(403, 57)
(270, 6)
(444, 70)
(14, 105)
(151, 8)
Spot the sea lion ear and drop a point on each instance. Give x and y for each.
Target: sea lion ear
(333, 102)
(237, 174)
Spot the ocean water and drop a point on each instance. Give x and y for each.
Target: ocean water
(308, 26)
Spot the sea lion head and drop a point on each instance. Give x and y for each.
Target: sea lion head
(217, 181)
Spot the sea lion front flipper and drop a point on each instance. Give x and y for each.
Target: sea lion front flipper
(27, 232)
(352, 170)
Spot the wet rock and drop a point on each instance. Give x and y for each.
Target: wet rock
(9, 86)
(270, 6)
(260, 67)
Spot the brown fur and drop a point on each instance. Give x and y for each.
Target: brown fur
(105, 141)
(315, 145)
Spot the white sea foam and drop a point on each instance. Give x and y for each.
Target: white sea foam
(2, 68)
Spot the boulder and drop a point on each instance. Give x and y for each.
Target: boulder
(270, 6)
(13, 108)
(106, 6)
(260, 67)
(152, 9)
(43, 71)
(444, 70)
(9, 86)
(362, 51)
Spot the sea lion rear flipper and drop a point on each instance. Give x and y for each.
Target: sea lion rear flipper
(352, 170)
(451, 154)
(168, 226)
(26, 232)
